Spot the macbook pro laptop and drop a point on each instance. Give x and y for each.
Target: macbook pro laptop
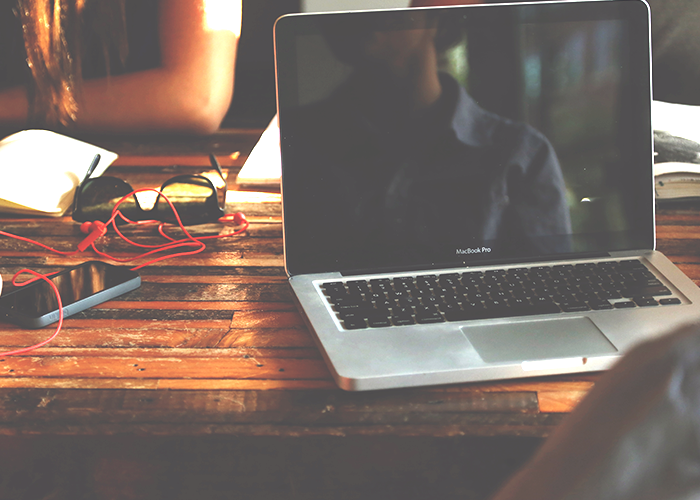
(468, 192)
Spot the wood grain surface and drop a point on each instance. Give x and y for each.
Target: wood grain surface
(212, 343)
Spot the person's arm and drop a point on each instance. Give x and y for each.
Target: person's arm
(13, 107)
(190, 91)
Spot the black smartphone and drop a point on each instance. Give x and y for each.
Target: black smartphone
(83, 286)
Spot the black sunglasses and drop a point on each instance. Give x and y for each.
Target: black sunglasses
(197, 198)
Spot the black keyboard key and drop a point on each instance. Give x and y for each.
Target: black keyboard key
(346, 299)
(403, 281)
(449, 280)
(397, 294)
(600, 305)
(574, 307)
(541, 308)
(645, 291)
(426, 317)
(645, 301)
(378, 321)
(669, 301)
(476, 297)
(624, 305)
(449, 306)
(372, 296)
(354, 323)
(431, 300)
(402, 320)
(402, 311)
(469, 312)
(408, 301)
(358, 308)
(333, 285)
(421, 309)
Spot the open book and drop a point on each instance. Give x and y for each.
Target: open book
(39, 171)
(676, 151)
(677, 181)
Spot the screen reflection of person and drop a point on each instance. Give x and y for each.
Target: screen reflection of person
(413, 165)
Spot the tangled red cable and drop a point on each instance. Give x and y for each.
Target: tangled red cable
(97, 229)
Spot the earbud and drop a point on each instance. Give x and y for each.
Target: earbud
(239, 218)
(94, 230)
(87, 227)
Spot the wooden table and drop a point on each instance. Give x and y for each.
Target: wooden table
(205, 380)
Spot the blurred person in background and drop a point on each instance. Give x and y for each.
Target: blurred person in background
(675, 41)
(127, 66)
(675, 46)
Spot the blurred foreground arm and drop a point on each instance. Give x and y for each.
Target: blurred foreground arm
(634, 437)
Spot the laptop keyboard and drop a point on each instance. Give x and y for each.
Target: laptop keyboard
(496, 293)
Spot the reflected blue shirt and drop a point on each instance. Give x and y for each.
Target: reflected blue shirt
(454, 177)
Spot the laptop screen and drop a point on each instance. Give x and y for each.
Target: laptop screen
(464, 135)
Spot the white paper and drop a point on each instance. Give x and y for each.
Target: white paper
(39, 171)
(673, 167)
(681, 120)
(264, 164)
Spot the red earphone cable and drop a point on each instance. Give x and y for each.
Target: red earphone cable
(97, 229)
(60, 310)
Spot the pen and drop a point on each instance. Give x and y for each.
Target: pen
(92, 167)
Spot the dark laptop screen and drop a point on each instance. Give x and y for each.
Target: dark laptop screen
(449, 136)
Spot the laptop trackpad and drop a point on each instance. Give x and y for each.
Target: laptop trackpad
(536, 340)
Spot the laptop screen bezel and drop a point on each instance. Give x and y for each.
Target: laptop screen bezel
(299, 255)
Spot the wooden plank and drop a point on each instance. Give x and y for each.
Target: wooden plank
(463, 428)
(300, 412)
(165, 305)
(233, 261)
(241, 368)
(166, 384)
(564, 401)
(685, 232)
(192, 334)
(268, 338)
(267, 319)
(176, 352)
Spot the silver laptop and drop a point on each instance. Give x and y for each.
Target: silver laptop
(468, 193)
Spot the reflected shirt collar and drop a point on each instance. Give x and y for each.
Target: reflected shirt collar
(473, 125)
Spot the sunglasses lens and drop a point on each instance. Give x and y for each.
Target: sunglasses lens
(193, 197)
(98, 196)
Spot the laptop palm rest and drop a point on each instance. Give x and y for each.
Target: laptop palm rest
(538, 340)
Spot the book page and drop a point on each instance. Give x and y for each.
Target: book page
(41, 169)
(680, 120)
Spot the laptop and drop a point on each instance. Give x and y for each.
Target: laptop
(468, 192)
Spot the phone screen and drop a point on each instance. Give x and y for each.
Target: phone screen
(80, 287)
